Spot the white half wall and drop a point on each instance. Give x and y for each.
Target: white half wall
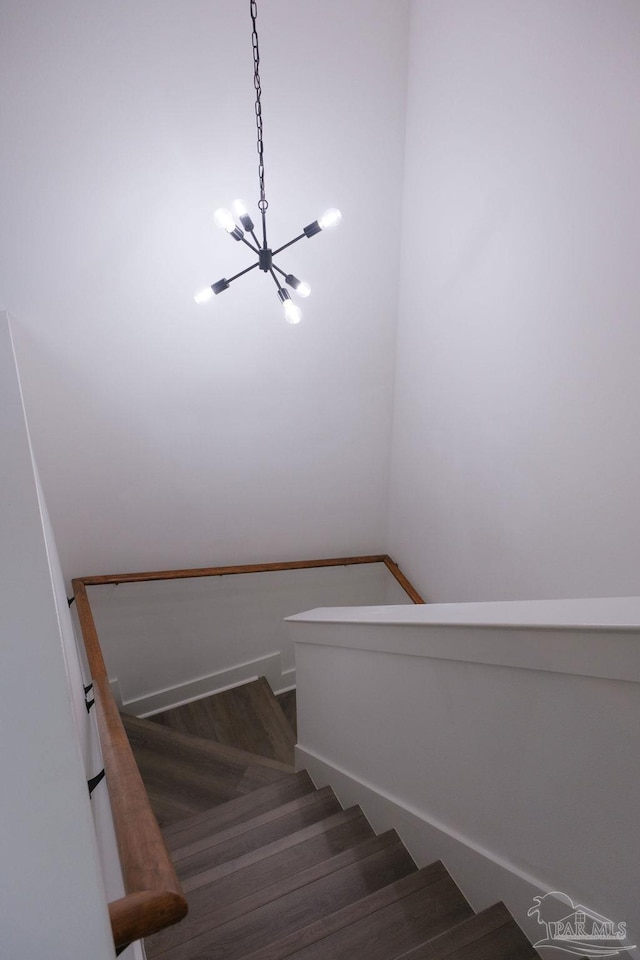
(516, 452)
(53, 900)
(501, 740)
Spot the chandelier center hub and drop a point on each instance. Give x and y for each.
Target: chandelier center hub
(265, 259)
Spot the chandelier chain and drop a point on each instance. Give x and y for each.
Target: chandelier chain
(253, 9)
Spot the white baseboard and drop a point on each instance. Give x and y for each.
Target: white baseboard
(483, 878)
(287, 681)
(268, 666)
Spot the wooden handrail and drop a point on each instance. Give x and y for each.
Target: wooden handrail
(147, 575)
(154, 898)
(406, 584)
(229, 571)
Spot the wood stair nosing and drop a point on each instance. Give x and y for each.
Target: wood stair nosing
(396, 918)
(208, 909)
(315, 893)
(246, 836)
(247, 716)
(291, 840)
(234, 811)
(492, 933)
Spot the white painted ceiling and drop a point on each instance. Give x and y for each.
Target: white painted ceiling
(169, 434)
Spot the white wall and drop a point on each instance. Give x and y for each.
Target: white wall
(174, 435)
(516, 456)
(169, 434)
(53, 901)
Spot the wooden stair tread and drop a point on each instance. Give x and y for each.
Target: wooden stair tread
(248, 717)
(337, 834)
(383, 925)
(492, 933)
(187, 775)
(250, 834)
(274, 848)
(148, 732)
(188, 790)
(235, 811)
(262, 881)
(265, 818)
(315, 893)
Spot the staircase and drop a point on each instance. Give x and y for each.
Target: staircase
(274, 868)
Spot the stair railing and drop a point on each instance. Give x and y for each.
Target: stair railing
(153, 896)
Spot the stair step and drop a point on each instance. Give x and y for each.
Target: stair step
(381, 926)
(235, 811)
(147, 732)
(275, 848)
(261, 830)
(260, 882)
(263, 873)
(185, 775)
(248, 717)
(297, 900)
(491, 934)
(274, 869)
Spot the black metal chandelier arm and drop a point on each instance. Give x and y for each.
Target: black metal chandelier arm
(242, 272)
(255, 249)
(283, 272)
(291, 242)
(275, 279)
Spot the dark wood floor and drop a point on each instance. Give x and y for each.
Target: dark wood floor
(186, 775)
(248, 717)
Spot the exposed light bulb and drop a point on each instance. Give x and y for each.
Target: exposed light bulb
(224, 218)
(204, 295)
(330, 218)
(292, 313)
(301, 287)
(241, 212)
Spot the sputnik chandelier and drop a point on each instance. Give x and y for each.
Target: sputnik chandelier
(242, 224)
